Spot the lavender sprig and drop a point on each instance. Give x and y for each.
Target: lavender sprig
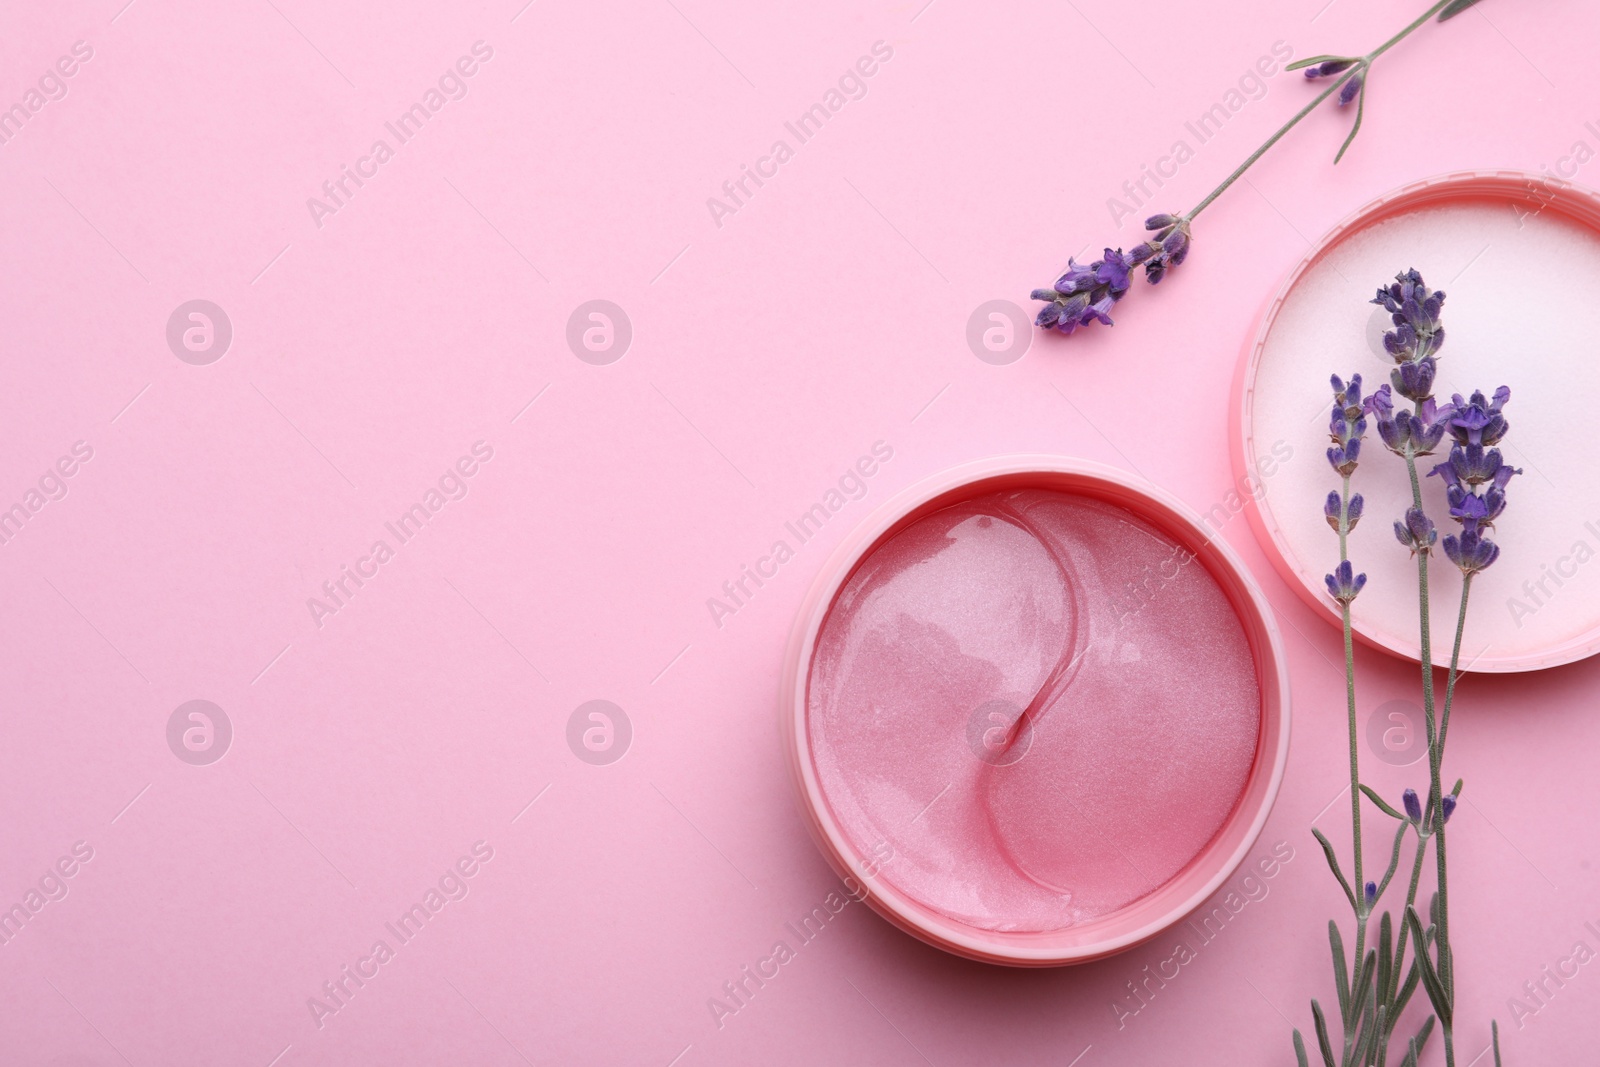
(1347, 425)
(1090, 291)
(1475, 475)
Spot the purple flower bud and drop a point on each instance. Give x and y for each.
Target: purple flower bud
(1085, 294)
(1332, 66)
(1380, 404)
(1448, 806)
(1478, 421)
(1332, 507)
(1413, 805)
(1348, 395)
(1417, 532)
(1344, 458)
(1371, 893)
(1077, 278)
(1105, 281)
(1415, 310)
(1472, 551)
(1113, 271)
(1344, 585)
(1354, 511)
(1351, 89)
(1414, 381)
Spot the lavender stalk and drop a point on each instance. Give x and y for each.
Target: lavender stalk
(1475, 477)
(1086, 294)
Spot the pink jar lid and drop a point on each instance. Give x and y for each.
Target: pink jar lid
(1518, 257)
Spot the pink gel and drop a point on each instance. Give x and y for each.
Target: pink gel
(1037, 705)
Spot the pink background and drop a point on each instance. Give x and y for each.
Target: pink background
(372, 752)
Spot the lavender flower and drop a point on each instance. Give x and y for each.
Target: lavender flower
(1371, 893)
(1344, 585)
(1472, 551)
(1475, 478)
(1478, 421)
(1415, 311)
(1417, 532)
(1414, 381)
(1168, 248)
(1413, 805)
(1085, 294)
(1421, 430)
(1346, 425)
(1331, 508)
(1351, 88)
(1332, 66)
(1474, 465)
(1448, 806)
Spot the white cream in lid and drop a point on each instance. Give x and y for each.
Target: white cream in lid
(1522, 278)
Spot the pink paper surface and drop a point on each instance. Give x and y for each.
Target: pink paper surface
(569, 489)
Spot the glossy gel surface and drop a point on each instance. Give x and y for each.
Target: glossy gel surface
(1037, 704)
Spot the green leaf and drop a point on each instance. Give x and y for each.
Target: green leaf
(1417, 1044)
(1453, 9)
(1361, 110)
(1382, 804)
(1333, 865)
(1372, 1028)
(1385, 957)
(1430, 978)
(1322, 1034)
(1394, 859)
(1341, 974)
(1494, 1029)
(1403, 998)
(1302, 63)
(1423, 1032)
(1361, 992)
(1300, 1050)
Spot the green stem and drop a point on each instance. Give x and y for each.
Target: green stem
(1362, 908)
(1436, 792)
(1350, 713)
(1455, 661)
(1405, 930)
(1360, 67)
